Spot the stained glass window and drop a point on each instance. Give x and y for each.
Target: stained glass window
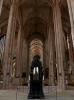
(2, 45)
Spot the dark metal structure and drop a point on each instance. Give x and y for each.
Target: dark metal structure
(36, 76)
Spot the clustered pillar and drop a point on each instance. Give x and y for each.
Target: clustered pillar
(59, 44)
(69, 2)
(71, 56)
(51, 55)
(71, 38)
(1, 4)
(19, 56)
(25, 59)
(9, 42)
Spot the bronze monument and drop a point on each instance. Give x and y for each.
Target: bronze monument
(36, 78)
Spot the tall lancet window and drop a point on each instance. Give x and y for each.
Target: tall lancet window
(2, 45)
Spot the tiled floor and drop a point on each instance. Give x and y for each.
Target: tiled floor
(50, 94)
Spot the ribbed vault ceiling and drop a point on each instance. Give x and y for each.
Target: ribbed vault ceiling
(36, 16)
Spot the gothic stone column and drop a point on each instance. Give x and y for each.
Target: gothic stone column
(51, 55)
(9, 39)
(24, 59)
(70, 48)
(71, 40)
(46, 60)
(71, 14)
(46, 54)
(59, 44)
(1, 4)
(71, 56)
(19, 56)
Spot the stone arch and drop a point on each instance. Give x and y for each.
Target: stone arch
(35, 48)
(35, 25)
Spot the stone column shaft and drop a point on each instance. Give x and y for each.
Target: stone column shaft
(70, 49)
(71, 39)
(46, 54)
(24, 54)
(9, 41)
(19, 56)
(59, 44)
(71, 57)
(51, 59)
(71, 18)
(25, 60)
(1, 4)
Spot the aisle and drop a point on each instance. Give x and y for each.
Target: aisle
(21, 94)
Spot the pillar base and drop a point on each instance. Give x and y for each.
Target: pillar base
(17, 82)
(60, 89)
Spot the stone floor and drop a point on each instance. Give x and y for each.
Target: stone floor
(50, 94)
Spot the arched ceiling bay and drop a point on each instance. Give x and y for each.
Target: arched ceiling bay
(36, 17)
(37, 9)
(34, 26)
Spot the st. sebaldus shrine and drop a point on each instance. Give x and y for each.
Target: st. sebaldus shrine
(43, 28)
